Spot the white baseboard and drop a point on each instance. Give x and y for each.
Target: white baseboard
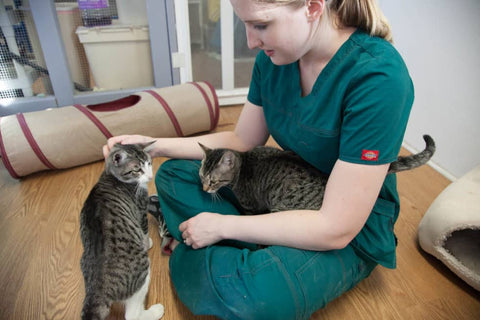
(432, 163)
(230, 97)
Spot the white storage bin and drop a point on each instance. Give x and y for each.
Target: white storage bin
(119, 56)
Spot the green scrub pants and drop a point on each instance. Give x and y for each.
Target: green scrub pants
(234, 280)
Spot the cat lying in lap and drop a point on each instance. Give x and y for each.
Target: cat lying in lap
(114, 232)
(267, 179)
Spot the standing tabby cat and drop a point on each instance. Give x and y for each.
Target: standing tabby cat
(268, 179)
(114, 231)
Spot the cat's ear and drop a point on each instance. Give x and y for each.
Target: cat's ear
(118, 157)
(147, 146)
(228, 159)
(204, 148)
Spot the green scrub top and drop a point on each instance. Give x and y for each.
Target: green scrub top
(357, 112)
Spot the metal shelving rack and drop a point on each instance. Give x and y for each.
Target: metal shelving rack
(44, 16)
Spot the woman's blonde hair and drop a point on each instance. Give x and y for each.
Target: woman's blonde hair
(362, 14)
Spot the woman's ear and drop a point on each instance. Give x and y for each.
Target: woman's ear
(314, 9)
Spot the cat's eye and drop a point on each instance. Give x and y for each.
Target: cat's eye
(214, 182)
(260, 26)
(218, 182)
(135, 170)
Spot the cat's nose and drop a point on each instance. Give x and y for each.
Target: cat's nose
(208, 189)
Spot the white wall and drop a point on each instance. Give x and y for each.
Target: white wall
(440, 42)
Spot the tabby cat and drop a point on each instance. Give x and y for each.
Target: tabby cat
(267, 179)
(114, 232)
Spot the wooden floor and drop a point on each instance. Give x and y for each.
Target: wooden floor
(40, 276)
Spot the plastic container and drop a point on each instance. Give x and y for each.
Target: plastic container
(132, 12)
(119, 56)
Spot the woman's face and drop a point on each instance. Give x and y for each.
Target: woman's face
(282, 32)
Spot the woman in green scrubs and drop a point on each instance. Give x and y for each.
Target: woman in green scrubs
(328, 85)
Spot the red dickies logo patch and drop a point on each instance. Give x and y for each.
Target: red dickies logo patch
(370, 155)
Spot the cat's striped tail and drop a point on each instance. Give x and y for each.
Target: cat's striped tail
(415, 160)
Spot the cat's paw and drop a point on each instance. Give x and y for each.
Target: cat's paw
(155, 312)
(148, 243)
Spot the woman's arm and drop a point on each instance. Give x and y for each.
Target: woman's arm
(351, 192)
(250, 131)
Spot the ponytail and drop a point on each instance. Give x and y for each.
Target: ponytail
(363, 14)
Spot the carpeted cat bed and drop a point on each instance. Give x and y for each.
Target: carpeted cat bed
(450, 229)
(74, 135)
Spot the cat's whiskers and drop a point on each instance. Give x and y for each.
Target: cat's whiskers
(216, 197)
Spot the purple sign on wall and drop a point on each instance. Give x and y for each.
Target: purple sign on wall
(92, 4)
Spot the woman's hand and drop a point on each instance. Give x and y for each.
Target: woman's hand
(202, 230)
(124, 139)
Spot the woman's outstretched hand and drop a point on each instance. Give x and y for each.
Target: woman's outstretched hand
(124, 139)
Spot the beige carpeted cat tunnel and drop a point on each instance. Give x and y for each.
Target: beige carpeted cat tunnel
(450, 229)
(74, 135)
